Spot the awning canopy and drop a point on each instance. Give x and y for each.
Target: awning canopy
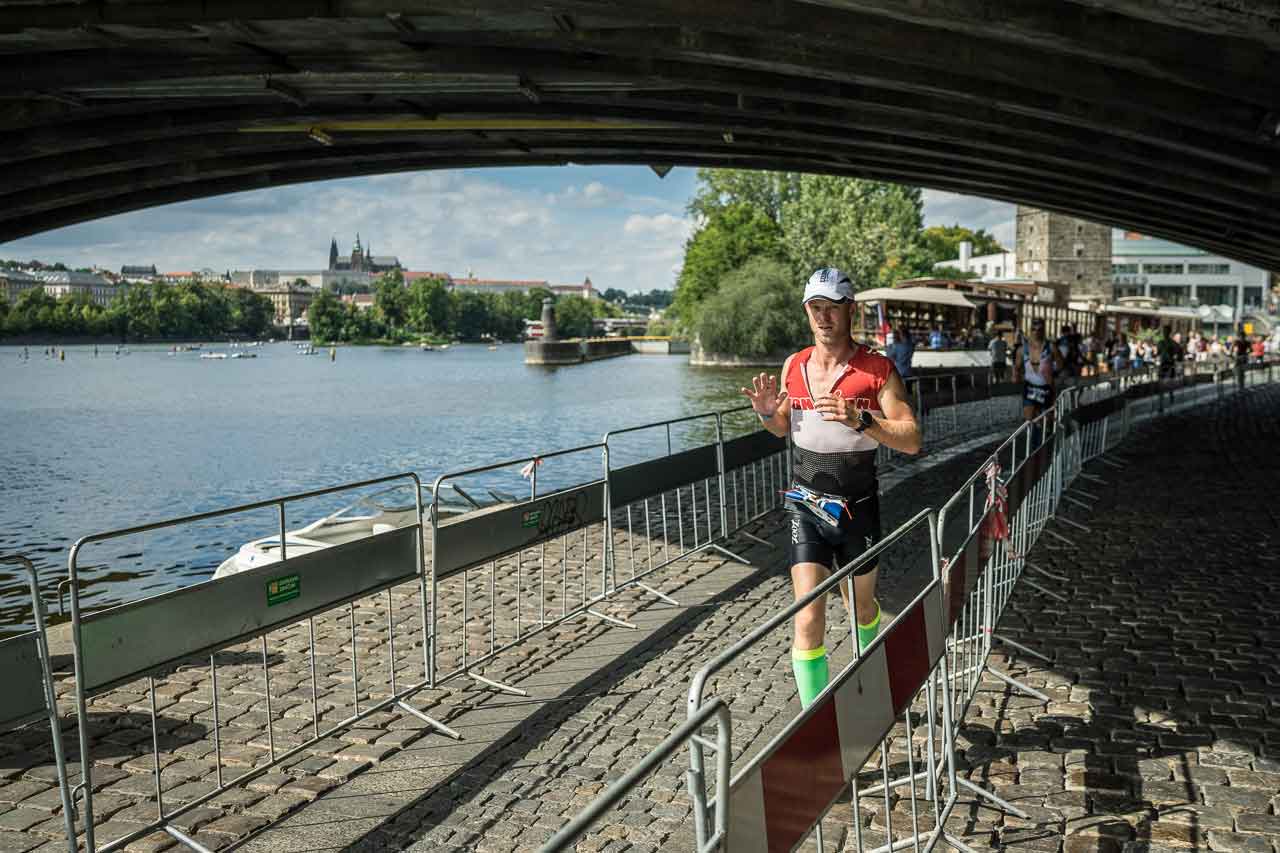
(922, 295)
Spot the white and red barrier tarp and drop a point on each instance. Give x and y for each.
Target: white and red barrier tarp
(775, 804)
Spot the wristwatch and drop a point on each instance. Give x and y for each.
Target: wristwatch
(864, 420)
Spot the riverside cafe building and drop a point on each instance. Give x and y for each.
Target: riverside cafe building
(970, 311)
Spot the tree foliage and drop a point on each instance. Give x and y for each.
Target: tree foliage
(191, 310)
(768, 192)
(942, 243)
(728, 238)
(573, 317)
(754, 311)
(869, 229)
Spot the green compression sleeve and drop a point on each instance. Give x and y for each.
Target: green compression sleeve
(810, 668)
(867, 633)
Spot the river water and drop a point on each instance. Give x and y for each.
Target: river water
(94, 444)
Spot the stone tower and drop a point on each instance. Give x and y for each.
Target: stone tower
(333, 253)
(1060, 248)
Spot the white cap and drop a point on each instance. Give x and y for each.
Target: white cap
(829, 283)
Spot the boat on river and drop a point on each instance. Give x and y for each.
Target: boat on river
(372, 514)
(213, 355)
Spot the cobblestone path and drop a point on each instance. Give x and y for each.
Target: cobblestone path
(389, 782)
(1159, 734)
(1164, 729)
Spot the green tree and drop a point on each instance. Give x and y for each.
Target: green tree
(869, 229)
(428, 305)
(754, 312)
(719, 189)
(726, 240)
(248, 313)
(533, 302)
(658, 328)
(326, 317)
(391, 300)
(614, 295)
(942, 242)
(573, 317)
(470, 314)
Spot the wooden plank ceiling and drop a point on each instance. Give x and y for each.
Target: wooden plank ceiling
(1157, 115)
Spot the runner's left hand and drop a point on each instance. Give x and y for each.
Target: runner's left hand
(836, 408)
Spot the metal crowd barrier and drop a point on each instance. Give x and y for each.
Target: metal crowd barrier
(686, 732)
(146, 638)
(780, 795)
(698, 498)
(930, 658)
(552, 545)
(28, 695)
(757, 469)
(681, 494)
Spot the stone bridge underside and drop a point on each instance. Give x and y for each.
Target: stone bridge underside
(1158, 115)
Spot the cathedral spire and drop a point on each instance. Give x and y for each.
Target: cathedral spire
(333, 253)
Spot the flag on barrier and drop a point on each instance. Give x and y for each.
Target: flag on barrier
(995, 521)
(792, 783)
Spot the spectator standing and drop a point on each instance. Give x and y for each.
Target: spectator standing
(1240, 349)
(999, 351)
(1167, 353)
(901, 351)
(1068, 344)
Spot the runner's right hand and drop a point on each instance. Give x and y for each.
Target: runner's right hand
(764, 395)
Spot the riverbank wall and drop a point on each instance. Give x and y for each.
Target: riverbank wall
(578, 351)
(699, 357)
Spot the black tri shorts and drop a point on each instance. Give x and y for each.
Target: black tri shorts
(812, 540)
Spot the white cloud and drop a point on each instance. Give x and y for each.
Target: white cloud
(997, 217)
(661, 224)
(535, 224)
(448, 221)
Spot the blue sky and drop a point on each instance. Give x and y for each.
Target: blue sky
(620, 225)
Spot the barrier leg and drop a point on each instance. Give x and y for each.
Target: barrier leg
(1003, 640)
(754, 538)
(660, 595)
(1000, 802)
(613, 620)
(1018, 685)
(1038, 570)
(715, 546)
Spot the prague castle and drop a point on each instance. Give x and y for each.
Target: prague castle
(360, 259)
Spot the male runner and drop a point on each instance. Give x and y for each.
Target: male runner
(1034, 364)
(840, 401)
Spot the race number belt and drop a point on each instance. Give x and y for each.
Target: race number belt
(1037, 393)
(828, 508)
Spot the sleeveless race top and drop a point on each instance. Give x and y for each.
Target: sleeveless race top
(1037, 374)
(828, 456)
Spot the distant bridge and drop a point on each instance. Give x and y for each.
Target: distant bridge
(1158, 115)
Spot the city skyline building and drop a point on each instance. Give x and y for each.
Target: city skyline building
(361, 259)
(1147, 267)
(1059, 248)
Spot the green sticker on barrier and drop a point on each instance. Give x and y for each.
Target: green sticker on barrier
(280, 590)
(531, 518)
